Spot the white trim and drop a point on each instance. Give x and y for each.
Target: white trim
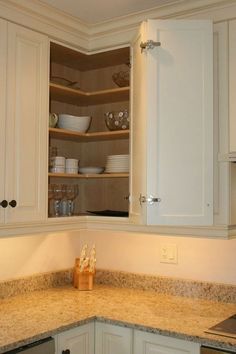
(119, 31)
(116, 224)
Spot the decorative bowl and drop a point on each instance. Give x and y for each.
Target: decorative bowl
(117, 120)
(121, 78)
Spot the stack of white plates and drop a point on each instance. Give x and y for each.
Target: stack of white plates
(117, 164)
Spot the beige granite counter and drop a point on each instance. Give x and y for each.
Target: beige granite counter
(28, 317)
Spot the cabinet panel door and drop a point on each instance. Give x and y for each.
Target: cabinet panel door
(149, 343)
(232, 85)
(112, 339)
(176, 97)
(221, 125)
(3, 66)
(27, 117)
(79, 340)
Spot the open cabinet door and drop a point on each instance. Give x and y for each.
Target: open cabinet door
(138, 147)
(172, 123)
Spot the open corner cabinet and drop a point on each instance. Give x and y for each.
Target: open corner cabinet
(82, 85)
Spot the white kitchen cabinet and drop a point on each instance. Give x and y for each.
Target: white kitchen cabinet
(79, 340)
(150, 343)
(23, 123)
(172, 124)
(111, 339)
(232, 86)
(3, 80)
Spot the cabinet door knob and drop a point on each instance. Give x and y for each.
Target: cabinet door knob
(4, 203)
(13, 203)
(67, 351)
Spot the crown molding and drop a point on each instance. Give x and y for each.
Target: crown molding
(45, 19)
(127, 26)
(71, 31)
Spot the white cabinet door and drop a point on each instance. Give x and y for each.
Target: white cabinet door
(110, 339)
(26, 124)
(149, 343)
(221, 125)
(232, 85)
(172, 122)
(79, 340)
(3, 66)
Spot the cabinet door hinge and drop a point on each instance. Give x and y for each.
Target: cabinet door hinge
(149, 44)
(149, 200)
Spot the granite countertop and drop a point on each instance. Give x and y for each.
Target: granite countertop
(39, 314)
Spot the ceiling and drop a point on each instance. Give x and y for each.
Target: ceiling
(94, 11)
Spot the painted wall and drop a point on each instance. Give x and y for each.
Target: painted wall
(198, 258)
(26, 255)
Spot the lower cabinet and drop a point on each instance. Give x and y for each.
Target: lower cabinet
(150, 343)
(111, 339)
(79, 340)
(102, 338)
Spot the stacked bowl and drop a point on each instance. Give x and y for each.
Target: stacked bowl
(117, 164)
(72, 166)
(75, 123)
(58, 164)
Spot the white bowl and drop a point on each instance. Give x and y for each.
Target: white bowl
(72, 170)
(58, 161)
(58, 169)
(72, 163)
(92, 170)
(76, 123)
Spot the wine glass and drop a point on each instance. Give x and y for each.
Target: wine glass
(59, 192)
(50, 196)
(72, 191)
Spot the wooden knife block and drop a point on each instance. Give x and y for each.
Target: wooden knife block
(85, 281)
(82, 280)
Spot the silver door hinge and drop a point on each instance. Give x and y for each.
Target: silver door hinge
(149, 200)
(150, 44)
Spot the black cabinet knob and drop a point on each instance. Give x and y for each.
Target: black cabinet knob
(67, 351)
(4, 203)
(13, 203)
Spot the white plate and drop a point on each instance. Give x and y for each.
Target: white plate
(121, 170)
(117, 156)
(91, 170)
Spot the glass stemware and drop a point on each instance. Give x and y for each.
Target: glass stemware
(72, 191)
(59, 193)
(50, 197)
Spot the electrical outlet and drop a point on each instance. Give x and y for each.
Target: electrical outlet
(169, 253)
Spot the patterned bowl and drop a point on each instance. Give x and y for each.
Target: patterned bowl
(117, 120)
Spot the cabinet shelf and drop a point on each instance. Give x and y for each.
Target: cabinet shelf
(78, 97)
(96, 136)
(89, 176)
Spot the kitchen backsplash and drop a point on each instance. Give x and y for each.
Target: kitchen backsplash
(166, 285)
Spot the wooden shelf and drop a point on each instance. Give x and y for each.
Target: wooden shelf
(96, 136)
(78, 97)
(83, 62)
(86, 176)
